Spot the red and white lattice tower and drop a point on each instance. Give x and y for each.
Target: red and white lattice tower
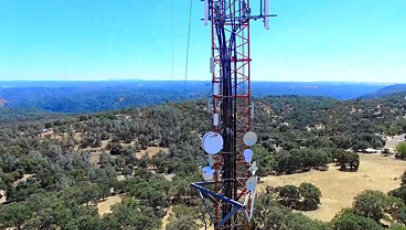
(232, 188)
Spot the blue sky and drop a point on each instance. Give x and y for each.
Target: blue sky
(311, 40)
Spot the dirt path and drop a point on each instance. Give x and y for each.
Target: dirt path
(25, 177)
(339, 188)
(3, 198)
(166, 220)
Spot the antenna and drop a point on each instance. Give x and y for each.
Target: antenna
(250, 138)
(208, 173)
(266, 12)
(248, 153)
(206, 12)
(230, 179)
(212, 143)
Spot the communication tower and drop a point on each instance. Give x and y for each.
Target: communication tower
(230, 179)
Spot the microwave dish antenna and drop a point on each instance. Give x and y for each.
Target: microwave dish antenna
(250, 138)
(212, 143)
(248, 153)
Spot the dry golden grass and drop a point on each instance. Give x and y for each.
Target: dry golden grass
(78, 136)
(339, 188)
(95, 158)
(170, 217)
(131, 144)
(104, 207)
(25, 177)
(3, 198)
(150, 151)
(102, 147)
(167, 218)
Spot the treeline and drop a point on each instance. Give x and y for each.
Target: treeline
(14, 115)
(317, 122)
(303, 160)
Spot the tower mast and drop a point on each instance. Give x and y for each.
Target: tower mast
(232, 170)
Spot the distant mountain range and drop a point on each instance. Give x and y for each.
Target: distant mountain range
(87, 97)
(388, 90)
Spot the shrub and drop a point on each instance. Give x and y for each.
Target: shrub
(401, 150)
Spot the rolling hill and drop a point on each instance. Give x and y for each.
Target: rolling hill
(88, 97)
(388, 90)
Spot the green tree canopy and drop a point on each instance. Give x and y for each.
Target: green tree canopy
(351, 221)
(14, 215)
(401, 150)
(310, 195)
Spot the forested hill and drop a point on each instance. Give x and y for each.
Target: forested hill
(54, 173)
(88, 97)
(13, 115)
(388, 90)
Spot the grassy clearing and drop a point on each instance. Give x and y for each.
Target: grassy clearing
(104, 207)
(339, 188)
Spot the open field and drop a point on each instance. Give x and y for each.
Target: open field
(104, 207)
(339, 188)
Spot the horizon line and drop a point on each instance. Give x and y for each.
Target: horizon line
(170, 80)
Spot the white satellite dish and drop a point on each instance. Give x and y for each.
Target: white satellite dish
(212, 143)
(216, 119)
(251, 183)
(250, 138)
(208, 173)
(266, 19)
(248, 153)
